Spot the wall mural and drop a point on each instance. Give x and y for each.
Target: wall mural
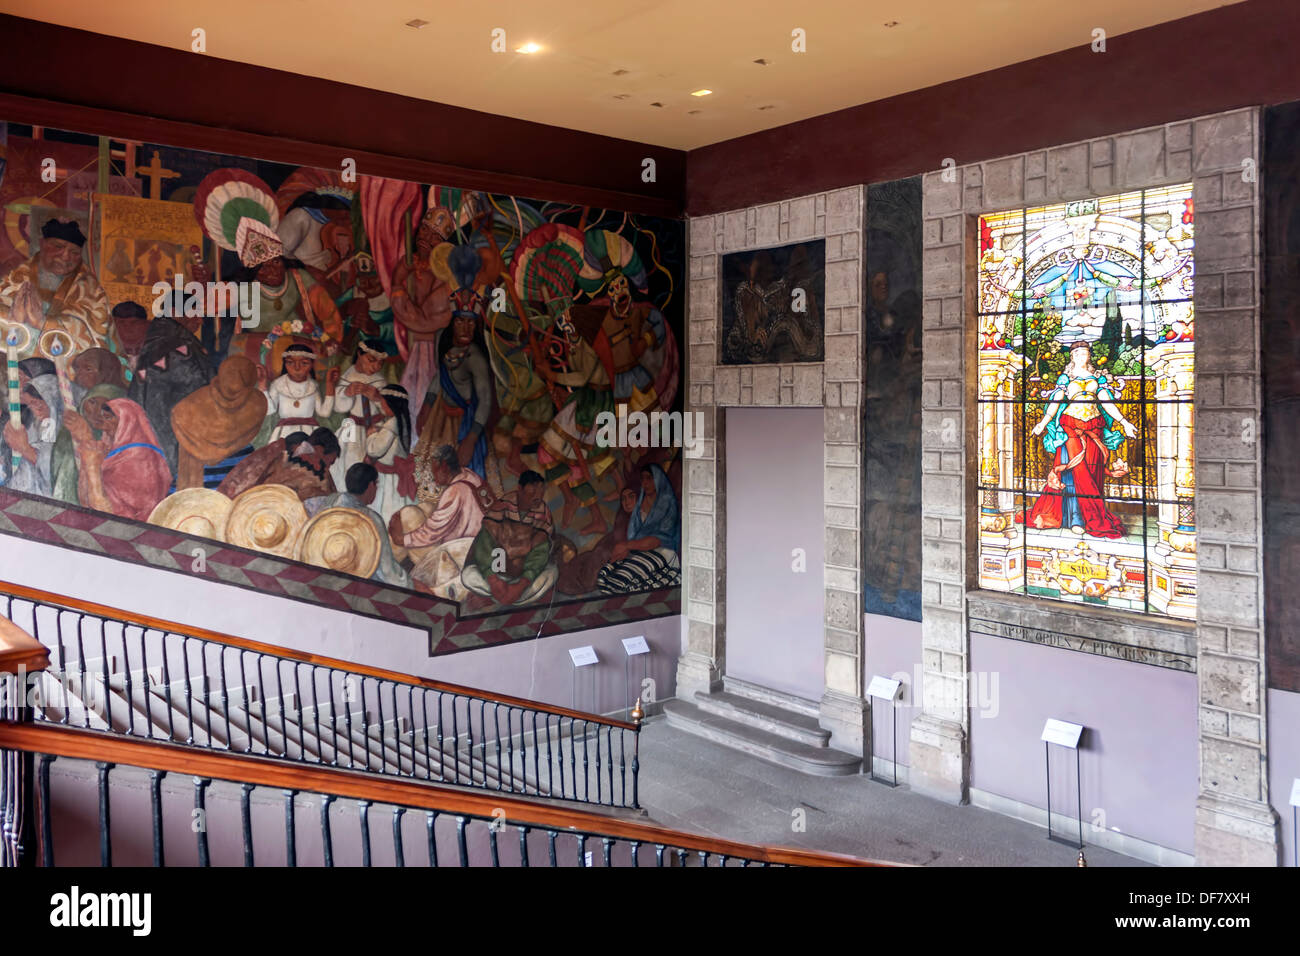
(1281, 369)
(891, 410)
(772, 305)
(387, 380)
(1085, 366)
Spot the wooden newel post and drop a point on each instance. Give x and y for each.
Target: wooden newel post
(21, 655)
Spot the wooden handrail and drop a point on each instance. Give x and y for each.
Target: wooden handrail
(20, 651)
(173, 627)
(80, 744)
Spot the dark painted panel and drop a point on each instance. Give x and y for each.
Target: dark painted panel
(1281, 372)
(891, 410)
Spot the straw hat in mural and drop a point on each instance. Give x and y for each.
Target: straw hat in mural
(198, 511)
(267, 518)
(343, 540)
(411, 517)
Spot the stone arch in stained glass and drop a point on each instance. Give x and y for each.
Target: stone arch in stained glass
(1085, 370)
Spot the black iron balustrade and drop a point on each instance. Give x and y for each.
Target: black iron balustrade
(139, 677)
(430, 825)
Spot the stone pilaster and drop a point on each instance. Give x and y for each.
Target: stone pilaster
(1234, 823)
(940, 733)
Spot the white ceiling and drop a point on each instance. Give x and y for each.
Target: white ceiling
(667, 49)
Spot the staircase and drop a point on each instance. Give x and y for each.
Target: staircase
(89, 725)
(775, 727)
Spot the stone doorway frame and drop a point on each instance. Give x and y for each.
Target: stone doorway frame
(833, 385)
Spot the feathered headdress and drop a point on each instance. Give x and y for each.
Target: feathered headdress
(237, 211)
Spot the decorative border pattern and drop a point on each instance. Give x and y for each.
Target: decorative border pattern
(92, 532)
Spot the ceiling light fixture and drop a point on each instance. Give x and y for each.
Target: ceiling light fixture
(417, 23)
(702, 93)
(529, 47)
(891, 23)
(761, 62)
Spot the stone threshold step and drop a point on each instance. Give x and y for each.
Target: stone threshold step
(765, 716)
(820, 761)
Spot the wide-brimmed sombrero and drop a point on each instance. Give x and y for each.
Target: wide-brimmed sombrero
(343, 540)
(267, 518)
(202, 512)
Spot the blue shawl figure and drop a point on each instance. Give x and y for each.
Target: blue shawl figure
(648, 568)
(662, 521)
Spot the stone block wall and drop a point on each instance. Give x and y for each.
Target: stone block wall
(1220, 155)
(834, 385)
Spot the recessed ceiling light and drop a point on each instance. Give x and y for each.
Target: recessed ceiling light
(660, 105)
(619, 72)
(769, 106)
(417, 23)
(701, 93)
(529, 47)
(693, 112)
(761, 62)
(621, 96)
(891, 23)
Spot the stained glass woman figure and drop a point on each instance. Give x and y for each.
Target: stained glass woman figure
(1082, 427)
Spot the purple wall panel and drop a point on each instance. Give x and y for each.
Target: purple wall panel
(1139, 759)
(894, 651)
(774, 505)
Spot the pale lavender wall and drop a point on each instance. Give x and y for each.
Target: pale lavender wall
(1139, 757)
(1283, 761)
(774, 505)
(893, 651)
(540, 670)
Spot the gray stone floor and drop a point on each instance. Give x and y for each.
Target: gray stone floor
(693, 784)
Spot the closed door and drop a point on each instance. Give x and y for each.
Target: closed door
(775, 548)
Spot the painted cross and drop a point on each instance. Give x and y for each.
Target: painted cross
(155, 173)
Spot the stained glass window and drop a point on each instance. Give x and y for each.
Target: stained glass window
(1085, 378)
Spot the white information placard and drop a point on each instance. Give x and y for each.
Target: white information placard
(883, 687)
(582, 656)
(1062, 732)
(1295, 792)
(635, 645)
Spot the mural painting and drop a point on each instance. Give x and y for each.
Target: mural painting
(1281, 373)
(891, 410)
(393, 381)
(772, 305)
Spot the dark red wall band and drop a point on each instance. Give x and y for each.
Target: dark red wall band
(1241, 55)
(196, 101)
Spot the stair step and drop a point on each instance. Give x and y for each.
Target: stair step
(765, 716)
(774, 748)
(768, 695)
